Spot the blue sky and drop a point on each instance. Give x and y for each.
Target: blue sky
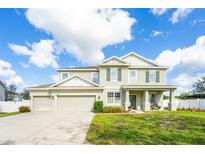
(149, 32)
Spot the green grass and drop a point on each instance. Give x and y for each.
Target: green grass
(8, 114)
(150, 128)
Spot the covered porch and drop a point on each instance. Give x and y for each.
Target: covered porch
(148, 97)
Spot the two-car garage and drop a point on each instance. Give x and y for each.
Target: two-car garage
(73, 94)
(64, 103)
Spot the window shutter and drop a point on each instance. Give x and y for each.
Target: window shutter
(157, 76)
(147, 76)
(119, 74)
(108, 74)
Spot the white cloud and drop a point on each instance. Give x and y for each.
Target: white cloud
(196, 21)
(159, 11)
(179, 14)
(146, 39)
(189, 59)
(20, 50)
(55, 77)
(185, 81)
(7, 72)
(83, 33)
(41, 54)
(156, 33)
(24, 65)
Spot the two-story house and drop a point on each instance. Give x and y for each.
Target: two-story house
(130, 80)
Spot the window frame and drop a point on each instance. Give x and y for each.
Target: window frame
(151, 73)
(64, 73)
(92, 75)
(115, 97)
(111, 78)
(135, 78)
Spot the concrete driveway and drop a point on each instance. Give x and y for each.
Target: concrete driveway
(45, 128)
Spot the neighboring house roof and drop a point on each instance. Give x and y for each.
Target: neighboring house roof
(140, 57)
(2, 84)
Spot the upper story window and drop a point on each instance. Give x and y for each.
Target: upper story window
(64, 75)
(114, 97)
(152, 76)
(114, 74)
(95, 77)
(132, 75)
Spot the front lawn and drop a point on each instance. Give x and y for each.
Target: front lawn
(8, 114)
(148, 128)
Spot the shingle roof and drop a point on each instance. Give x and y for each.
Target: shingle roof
(43, 86)
(83, 67)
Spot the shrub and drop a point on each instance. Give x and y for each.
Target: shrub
(24, 109)
(113, 109)
(178, 109)
(98, 106)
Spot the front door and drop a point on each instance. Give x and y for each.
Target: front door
(133, 101)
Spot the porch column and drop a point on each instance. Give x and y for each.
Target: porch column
(171, 104)
(127, 99)
(147, 102)
(31, 102)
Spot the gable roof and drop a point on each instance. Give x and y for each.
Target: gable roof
(140, 57)
(75, 76)
(104, 62)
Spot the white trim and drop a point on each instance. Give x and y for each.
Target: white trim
(58, 83)
(139, 56)
(149, 67)
(77, 69)
(41, 95)
(113, 57)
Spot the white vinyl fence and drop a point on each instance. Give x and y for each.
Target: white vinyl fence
(12, 106)
(190, 103)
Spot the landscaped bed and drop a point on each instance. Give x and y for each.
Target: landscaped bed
(148, 128)
(8, 114)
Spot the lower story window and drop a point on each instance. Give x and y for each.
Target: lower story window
(114, 97)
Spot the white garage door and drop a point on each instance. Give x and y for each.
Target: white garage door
(75, 103)
(42, 103)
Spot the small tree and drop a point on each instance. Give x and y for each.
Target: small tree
(199, 86)
(183, 95)
(25, 94)
(10, 92)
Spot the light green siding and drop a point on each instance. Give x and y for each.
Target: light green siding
(105, 83)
